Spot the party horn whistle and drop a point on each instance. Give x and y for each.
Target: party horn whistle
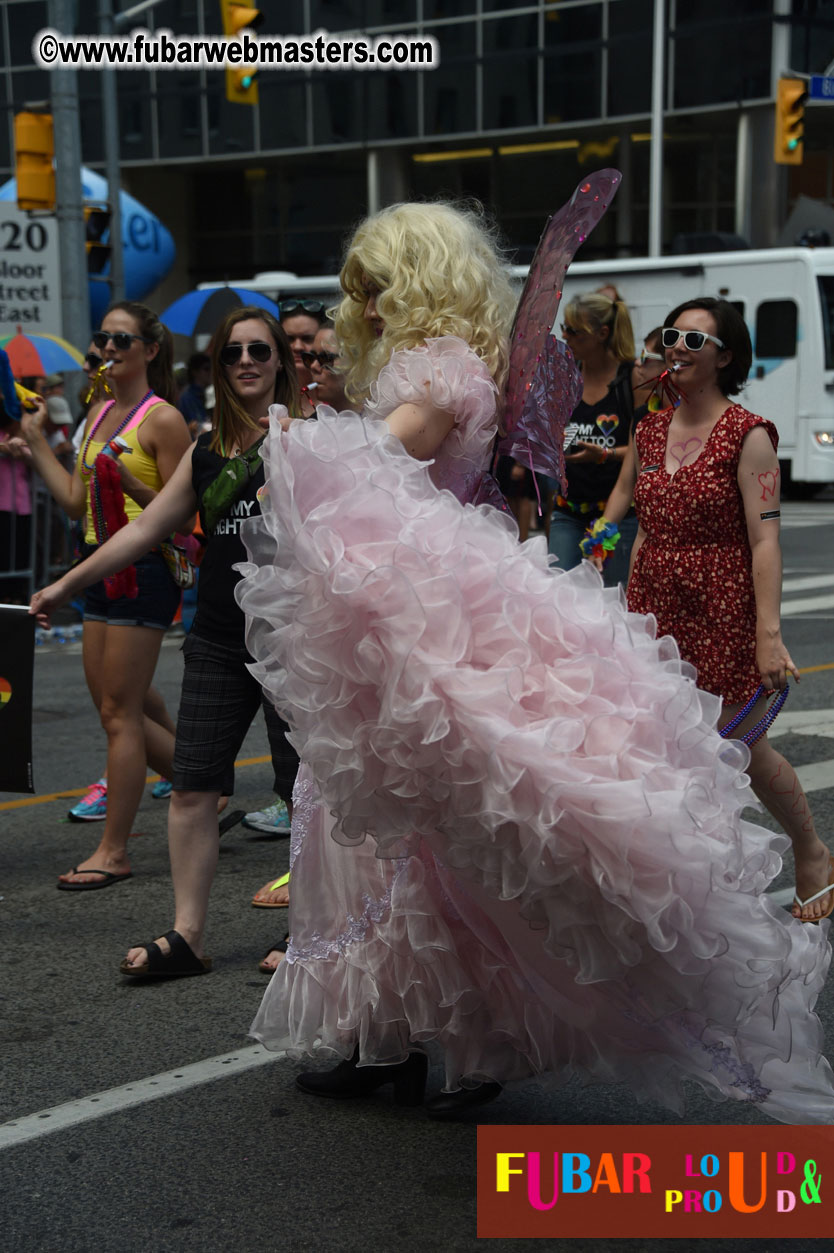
(29, 400)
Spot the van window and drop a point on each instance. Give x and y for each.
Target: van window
(826, 283)
(776, 322)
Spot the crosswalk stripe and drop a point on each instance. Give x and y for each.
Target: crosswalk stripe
(803, 722)
(817, 776)
(806, 604)
(807, 583)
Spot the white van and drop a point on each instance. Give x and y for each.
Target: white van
(786, 296)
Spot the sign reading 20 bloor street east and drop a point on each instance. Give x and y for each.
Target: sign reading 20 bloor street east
(30, 282)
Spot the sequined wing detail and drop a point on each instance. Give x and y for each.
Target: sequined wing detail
(543, 381)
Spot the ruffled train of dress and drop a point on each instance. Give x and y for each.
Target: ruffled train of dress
(573, 886)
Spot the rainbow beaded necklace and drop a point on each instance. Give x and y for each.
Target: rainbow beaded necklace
(96, 508)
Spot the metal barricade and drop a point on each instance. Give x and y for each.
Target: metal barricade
(36, 547)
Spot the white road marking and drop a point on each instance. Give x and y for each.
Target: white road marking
(114, 1100)
(803, 722)
(806, 603)
(819, 775)
(808, 583)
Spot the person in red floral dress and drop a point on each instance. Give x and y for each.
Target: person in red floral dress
(707, 560)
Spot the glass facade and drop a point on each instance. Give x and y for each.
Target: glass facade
(528, 96)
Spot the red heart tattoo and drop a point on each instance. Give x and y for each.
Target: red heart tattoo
(767, 482)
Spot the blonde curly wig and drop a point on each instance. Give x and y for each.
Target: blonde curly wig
(439, 272)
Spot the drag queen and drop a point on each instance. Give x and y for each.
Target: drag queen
(516, 832)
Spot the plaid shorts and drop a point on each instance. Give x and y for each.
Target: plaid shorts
(218, 702)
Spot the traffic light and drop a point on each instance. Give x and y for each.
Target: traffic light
(34, 149)
(97, 232)
(790, 121)
(241, 83)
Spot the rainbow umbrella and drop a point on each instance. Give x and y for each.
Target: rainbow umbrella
(30, 355)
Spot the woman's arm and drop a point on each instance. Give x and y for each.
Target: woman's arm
(622, 493)
(420, 428)
(758, 481)
(67, 488)
(594, 454)
(164, 436)
(169, 511)
(639, 541)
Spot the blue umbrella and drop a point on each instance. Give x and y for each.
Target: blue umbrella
(199, 312)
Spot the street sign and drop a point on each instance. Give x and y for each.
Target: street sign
(30, 273)
(821, 88)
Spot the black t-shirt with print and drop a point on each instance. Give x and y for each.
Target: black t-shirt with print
(218, 617)
(608, 423)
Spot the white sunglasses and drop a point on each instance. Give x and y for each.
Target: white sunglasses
(693, 340)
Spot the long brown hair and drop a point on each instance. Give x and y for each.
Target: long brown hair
(161, 368)
(231, 421)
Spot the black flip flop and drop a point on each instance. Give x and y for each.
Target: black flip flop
(230, 820)
(180, 961)
(107, 882)
(280, 947)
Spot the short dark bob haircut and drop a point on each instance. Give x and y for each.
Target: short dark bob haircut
(730, 328)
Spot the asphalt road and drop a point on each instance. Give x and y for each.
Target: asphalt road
(200, 1147)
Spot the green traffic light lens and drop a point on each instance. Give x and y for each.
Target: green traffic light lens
(246, 81)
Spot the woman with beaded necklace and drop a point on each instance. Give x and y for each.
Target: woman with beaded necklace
(119, 663)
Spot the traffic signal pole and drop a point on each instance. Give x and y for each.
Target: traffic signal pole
(75, 302)
(110, 109)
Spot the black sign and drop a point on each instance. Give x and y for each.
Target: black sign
(17, 657)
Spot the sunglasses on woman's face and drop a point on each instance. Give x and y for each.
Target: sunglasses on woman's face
(259, 351)
(324, 359)
(121, 339)
(93, 361)
(288, 307)
(570, 330)
(693, 340)
(645, 356)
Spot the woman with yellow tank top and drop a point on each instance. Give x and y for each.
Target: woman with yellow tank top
(119, 663)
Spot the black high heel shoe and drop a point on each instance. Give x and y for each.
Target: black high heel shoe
(349, 1080)
(452, 1104)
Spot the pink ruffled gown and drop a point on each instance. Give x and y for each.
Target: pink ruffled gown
(516, 831)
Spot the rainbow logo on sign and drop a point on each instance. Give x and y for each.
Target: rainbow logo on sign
(5, 692)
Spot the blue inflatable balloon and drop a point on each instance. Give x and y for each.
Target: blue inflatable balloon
(147, 246)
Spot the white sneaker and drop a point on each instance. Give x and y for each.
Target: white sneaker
(274, 819)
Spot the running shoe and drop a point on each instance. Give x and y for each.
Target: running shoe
(93, 806)
(274, 819)
(162, 789)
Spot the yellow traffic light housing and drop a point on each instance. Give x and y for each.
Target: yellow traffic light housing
(34, 150)
(790, 121)
(241, 81)
(96, 228)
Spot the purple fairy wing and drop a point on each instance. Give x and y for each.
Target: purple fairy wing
(543, 384)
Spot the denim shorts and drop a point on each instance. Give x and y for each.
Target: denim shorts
(219, 700)
(154, 606)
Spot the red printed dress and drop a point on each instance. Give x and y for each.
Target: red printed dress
(694, 570)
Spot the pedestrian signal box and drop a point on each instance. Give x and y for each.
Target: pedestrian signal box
(34, 152)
